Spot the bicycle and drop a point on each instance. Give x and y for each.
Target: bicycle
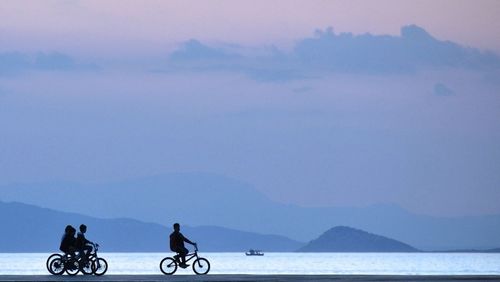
(57, 264)
(201, 266)
(99, 265)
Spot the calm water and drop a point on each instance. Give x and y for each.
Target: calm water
(283, 263)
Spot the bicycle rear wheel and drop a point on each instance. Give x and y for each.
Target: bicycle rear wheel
(201, 266)
(50, 259)
(87, 267)
(168, 266)
(56, 266)
(72, 267)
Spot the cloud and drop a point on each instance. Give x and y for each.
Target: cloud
(16, 62)
(195, 50)
(196, 56)
(414, 50)
(442, 90)
(266, 66)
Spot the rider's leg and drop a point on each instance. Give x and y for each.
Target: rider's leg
(88, 250)
(183, 252)
(71, 252)
(81, 254)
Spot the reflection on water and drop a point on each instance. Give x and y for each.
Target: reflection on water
(283, 263)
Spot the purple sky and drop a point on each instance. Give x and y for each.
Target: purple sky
(89, 26)
(110, 90)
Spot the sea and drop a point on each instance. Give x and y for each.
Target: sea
(283, 263)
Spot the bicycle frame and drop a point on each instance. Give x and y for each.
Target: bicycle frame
(189, 256)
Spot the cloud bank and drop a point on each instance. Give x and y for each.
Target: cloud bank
(414, 50)
(16, 62)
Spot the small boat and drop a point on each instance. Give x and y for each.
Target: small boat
(252, 252)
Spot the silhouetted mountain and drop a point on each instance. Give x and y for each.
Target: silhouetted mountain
(27, 228)
(201, 199)
(347, 239)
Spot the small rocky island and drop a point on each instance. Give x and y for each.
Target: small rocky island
(347, 239)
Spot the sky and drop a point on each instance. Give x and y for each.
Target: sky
(315, 103)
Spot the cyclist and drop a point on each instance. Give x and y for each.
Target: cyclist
(68, 241)
(177, 244)
(83, 245)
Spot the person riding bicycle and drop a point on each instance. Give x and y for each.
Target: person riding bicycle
(83, 245)
(177, 244)
(68, 241)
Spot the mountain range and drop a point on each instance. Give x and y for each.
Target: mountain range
(201, 199)
(27, 228)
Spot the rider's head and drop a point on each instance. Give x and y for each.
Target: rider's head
(83, 228)
(68, 229)
(177, 226)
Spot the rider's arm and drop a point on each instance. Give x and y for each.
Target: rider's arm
(187, 240)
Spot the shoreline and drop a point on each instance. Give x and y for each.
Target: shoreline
(246, 278)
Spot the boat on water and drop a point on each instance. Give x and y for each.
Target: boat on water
(252, 252)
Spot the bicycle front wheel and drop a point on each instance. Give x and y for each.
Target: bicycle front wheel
(201, 266)
(50, 259)
(100, 266)
(168, 266)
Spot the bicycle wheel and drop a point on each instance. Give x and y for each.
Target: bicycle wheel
(56, 266)
(50, 259)
(72, 267)
(168, 266)
(87, 267)
(201, 266)
(100, 266)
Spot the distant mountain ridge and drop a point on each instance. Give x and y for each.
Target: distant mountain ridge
(347, 239)
(27, 228)
(201, 199)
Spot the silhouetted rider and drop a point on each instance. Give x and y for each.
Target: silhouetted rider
(83, 245)
(177, 244)
(68, 241)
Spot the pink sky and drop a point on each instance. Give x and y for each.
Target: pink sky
(102, 25)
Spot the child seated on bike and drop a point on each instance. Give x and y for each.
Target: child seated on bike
(83, 245)
(68, 241)
(177, 244)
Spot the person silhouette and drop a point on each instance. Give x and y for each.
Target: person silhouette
(83, 245)
(177, 244)
(68, 241)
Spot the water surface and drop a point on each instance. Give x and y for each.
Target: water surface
(284, 263)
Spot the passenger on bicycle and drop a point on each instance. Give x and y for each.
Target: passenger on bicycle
(68, 241)
(83, 245)
(177, 244)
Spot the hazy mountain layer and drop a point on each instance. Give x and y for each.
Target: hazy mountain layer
(204, 199)
(27, 228)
